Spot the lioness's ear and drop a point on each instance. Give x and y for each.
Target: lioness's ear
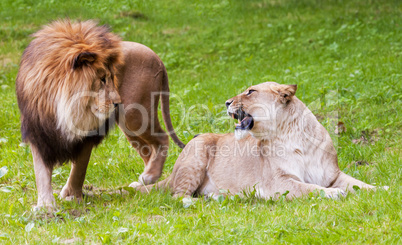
(285, 92)
(86, 58)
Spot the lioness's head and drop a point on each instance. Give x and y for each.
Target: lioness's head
(261, 109)
(68, 76)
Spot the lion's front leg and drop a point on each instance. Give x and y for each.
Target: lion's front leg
(43, 177)
(297, 188)
(73, 188)
(346, 183)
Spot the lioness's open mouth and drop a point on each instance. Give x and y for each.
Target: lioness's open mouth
(245, 120)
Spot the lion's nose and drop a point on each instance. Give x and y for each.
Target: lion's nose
(115, 97)
(228, 103)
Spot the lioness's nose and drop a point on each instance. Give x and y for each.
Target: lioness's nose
(228, 102)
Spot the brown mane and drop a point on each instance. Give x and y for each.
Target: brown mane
(62, 60)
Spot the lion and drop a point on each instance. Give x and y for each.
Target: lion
(278, 148)
(75, 80)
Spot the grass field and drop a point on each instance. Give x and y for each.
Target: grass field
(345, 56)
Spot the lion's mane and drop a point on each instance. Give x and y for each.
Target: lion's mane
(52, 71)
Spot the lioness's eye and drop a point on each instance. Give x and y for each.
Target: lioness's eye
(103, 79)
(250, 91)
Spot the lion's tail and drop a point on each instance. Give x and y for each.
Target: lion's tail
(161, 185)
(166, 111)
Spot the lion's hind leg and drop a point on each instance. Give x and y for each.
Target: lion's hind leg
(297, 188)
(183, 184)
(153, 151)
(43, 178)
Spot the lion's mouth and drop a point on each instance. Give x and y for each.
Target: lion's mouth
(103, 112)
(245, 120)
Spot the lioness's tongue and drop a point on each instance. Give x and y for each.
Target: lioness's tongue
(245, 123)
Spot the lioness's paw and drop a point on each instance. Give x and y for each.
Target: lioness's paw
(385, 187)
(334, 193)
(374, 188)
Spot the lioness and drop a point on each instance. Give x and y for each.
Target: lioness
(72, 76)
(280, 147)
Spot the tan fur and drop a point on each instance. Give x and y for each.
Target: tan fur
(71, 78)
(286, 150)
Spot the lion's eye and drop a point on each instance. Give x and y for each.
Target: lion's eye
(103, 79)
(250, 91)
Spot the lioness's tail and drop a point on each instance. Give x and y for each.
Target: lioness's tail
(166, 111)
(161, 185)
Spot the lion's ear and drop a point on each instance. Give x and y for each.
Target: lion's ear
(285, 92)
(85, 58)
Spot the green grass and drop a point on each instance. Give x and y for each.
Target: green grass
(345, 57)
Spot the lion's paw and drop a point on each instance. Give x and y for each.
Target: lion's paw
(69, 198)
(48, 206)
(375, 188)
(135, 184)
(147, 179)
(334, 193)
(46, 209)
(69, 195)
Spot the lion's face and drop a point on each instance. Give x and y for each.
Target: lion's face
(261, 109)
(106, 96)
(67, 80)
(91, 102)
